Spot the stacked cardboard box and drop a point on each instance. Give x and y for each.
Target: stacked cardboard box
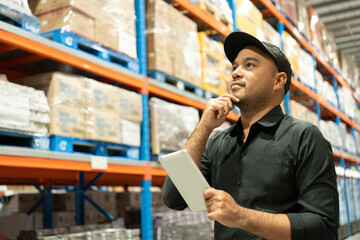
(347, 102)
(326, 90)
(331, 132)
(214, 77)
(110, 23)
(307, 69)
(271, 35)
(249, 19)
(303, 19)
(171, 125)
(220, 9)
(23, 109)
(301, 112)
(292, 51)
(84, 108)
(172, 42)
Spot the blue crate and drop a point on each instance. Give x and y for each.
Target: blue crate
(84, 146)
(177, 82)
(83, 44)
(14, 17)
(19, 139)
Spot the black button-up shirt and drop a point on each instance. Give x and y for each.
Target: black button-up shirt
(285, 166)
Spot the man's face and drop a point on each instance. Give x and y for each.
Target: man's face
(253, 77)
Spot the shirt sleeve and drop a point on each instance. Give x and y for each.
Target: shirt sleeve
(171, 196)
(318, 216)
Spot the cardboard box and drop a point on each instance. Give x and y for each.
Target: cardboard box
(271, 35)
(69, 19)
(292, 51)
(106, 34)
(249, 19)
(60, 88)
(67, 121)
(101, 97)
(130, 133)
(290, 9)
(129, 105)
(88, 7)
(63, 219)
(10, 226)
(102, 126)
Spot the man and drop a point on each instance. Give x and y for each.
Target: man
(272, 176)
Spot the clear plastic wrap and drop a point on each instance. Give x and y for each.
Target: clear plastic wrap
(307, 65)
(110, 23)
(85, 108)
(271, 35)
(317, 29)
(303, 19)
(172, 42)
(171, 125)
(23, 108)
(347, 102)
(21, 6)
(330, 131)
(325, 89)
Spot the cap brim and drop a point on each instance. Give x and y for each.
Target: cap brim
(236, 41)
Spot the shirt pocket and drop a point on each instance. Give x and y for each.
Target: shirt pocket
(272, 179)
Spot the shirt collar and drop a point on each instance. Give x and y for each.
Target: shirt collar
(272, 117)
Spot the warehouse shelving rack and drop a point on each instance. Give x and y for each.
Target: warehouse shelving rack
(21, 166)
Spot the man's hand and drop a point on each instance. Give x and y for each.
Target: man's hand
(222, 207)
(216, 111)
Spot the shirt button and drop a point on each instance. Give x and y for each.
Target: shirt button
(242, 155)
(238, 182)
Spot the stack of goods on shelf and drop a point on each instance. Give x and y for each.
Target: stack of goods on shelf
(172, 42)
(347, 102)
(303, 19)
(357, 141)
(171, 125)
(326, 90)
(23, 109)
(352, 186)
(220, 9)
(349, 69)
(91, 232)
(214, 77)
(290, 9)
(292, 51)
(348, 141)
(169, 224)
(322, 39)
(301, 112)
(87, 109)
(331, 132)
(249, 19)
(271, 35)
(342, 200)
(307, 69)
(110, 22)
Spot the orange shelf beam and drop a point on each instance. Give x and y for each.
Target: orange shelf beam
(324, 103)
(60, 56)
(200, 14)
(269, 5)
(54, 164)
(346, 156)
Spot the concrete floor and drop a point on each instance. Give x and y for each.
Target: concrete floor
(354, 237)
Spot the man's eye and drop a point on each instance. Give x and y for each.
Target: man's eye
(250, 65)
(234, 68)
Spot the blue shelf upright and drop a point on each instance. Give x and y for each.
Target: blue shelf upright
(232, 6)
(146, 210)
(281, 29)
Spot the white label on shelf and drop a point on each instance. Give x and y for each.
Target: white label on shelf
(98, 162)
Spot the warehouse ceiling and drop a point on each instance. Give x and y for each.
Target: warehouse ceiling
(342, 17)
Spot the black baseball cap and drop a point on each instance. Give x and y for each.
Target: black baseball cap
(236, 41)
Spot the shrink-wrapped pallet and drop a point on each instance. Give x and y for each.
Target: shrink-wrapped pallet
(171, 125)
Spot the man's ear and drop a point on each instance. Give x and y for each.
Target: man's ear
(280, 80)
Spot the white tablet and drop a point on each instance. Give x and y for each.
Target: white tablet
(186, 177)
